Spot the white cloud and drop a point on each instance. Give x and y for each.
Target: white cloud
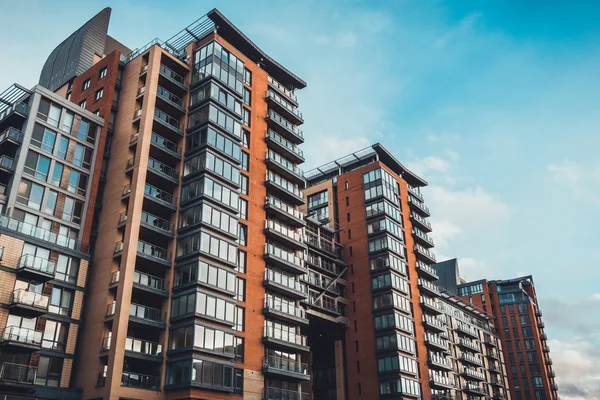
(596, 296)
(567, 172)
(582, 178)
(576, 369)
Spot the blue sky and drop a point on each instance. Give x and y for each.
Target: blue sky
(495, 103)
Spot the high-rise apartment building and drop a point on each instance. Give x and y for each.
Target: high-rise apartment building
(407, 338)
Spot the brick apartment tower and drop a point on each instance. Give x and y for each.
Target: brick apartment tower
(407, 338)
(518, 319)
(177, 163)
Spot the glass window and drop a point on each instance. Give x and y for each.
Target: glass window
(49, 371)
(102, 73)
(67, 269)
(55, 335)
(60, 301)
(54, 115)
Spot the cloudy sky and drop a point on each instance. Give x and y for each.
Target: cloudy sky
(495, 103)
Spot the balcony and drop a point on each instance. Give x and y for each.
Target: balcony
(285, 189)
(469, 344)
(418, 206)
(35, 268)
(543, 336)
(22, 337)
(147, 316)
(287, 110)
(428, 287)
(545, 348)
(157, 225)
(7, 163)
(330, 306)
(154, 253)
(282, 90)
(271, 393)
(322, 283)
(285, 285)
(441, 362)
(495, 368)
(538, 312)
(492, 353)
(285, 339)
(168, 98)
(471, 359)
(285, 128)
(497, 382)
(284, 259)
(322, 264)
(323, 244)
(554, 387)
(284, 211)
(11, 136)
(143, 349)
(441, 382)
(19, 109)
(551, 374)
(163, 172)
(475, 388)
(426, 270)
(285, 168)
(415, 191)
(140, 381)
(541, 325)
(172, 78)
(160, 197)
(549, 361)
(282, 233)
(168, 122)
(17, 374)
(283, 146)
(27, 303)
(165, 146)
(420, 221)
(466, 329)
(422, 238)
(424, 254)
(42, 234)
(471, 373)
(434, 323)
(285, 312)
(492, 341)
(436, 342)
(285, 367)
(151, 284)
(431, 305)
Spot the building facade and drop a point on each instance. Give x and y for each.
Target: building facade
(518, 320)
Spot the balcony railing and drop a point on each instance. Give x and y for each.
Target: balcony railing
(437, 341)
(284, 104)
(440, 360)
(172, 74)
(470, 344)
(164, 143)
(170, 97)
(422, 250)
(166, 118)
(427, 269)
(320, 242)
(466, 329)
(473, 373)
(431, 303)
(472, 359)
(433, 321)
(285, 143)
(543, 336)
(150, 281)
(284, 255)
(286, 364)
(154, 251)
(162, 168)
(416, 192)
(156, 222)
(284, 184)
(442, 380)
(420, 205)
(428, 285)
(285, 308)
(140, 381)
(330, 306)
(285, 123)
(279, 160)
(474, 387)
(31, 299)
(20, 108)
(37, 263)
(275, 202)
(11, 134)
(422, 235)
(322, 263)
(285, 231)
(143, 347)
(17, 373)
(420, 219)
(147, 313)
(272, 393)
(7, 163)
(283, 90)
(159, 194)
(285, 280)
(323, 283)
(42, 234)
(285, 336)
(21, 335)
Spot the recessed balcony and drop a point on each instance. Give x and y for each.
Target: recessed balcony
(466, 329)
(282, 233)
(161, 174)
(147, 316)
(420, 222)
(285, 312)
(284, 108)
(284, 284)
(283, 146)
(286, 368)
(169, 101)
(160, 198)
(17, 374)
(284, 127)
(166, 125)
(475, 388)
(154, 253)
(439, 362)
(155, 227)
(283, 211)
(285, 339)
(27, 303)
(143, 349)
(436, 342)
(471, 373)
(171, 79)
(271, 393)
(140, 381)
(150, 284)
(469, 344)
(16, 336)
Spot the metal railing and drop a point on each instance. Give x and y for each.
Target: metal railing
(322, 263)
(471, 358)
(10, 372)
(150, 281)
(431, 286)
(166, 118)
(285, 143)
(285, 308)
(442, 380)
(426, 268)
(159, 194)
(42, 234)
(22, 335)
(281, 161)
(415, 191)
(286, 364)
(153, 251)
(170, 97)
(284, 255)
(285, 123)
(436, 340)
(164, 143)
(323, 243)
(284, 104)
(287, 92)
(466, 329)
(440, 360)
(431, 303)
(156, 222)
(140, 381)
(272, 393)
(433, 321)
(275, 202)
(162, 168)
(424, 251)
(172, 74)
(469, 343)
(285, 280)
(284, 230)
(28, 298)
(143, 346)
(285, 336)
(11, 133)
(420, 219)
(37, 263)
(422, 235)
(284, 184)
(148, 313)
(418, 204)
